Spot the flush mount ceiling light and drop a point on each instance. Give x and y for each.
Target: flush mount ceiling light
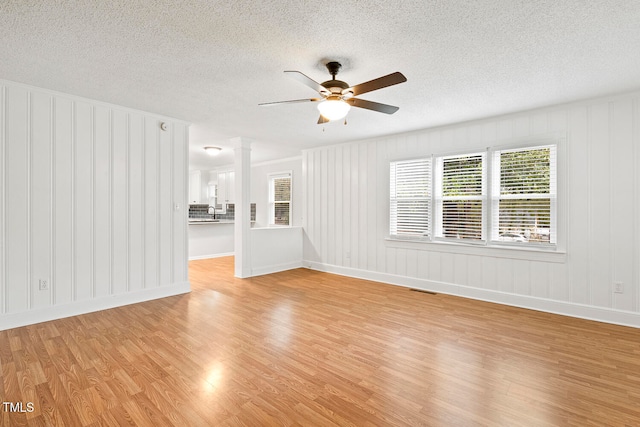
(333, 108)
(213, 151)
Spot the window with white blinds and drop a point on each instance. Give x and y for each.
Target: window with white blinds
(460, 195)
(524, 195)
(495, 197)
(410, 201)
(280, 199)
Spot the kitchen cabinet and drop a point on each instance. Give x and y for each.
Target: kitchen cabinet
(195, 187)
(226, 183)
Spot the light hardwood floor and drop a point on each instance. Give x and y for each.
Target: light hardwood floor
(303, 348)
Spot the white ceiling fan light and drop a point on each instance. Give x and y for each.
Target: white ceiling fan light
(212, 151)
(333, 109)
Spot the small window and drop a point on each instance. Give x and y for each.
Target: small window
(280, 199)
(410, 203)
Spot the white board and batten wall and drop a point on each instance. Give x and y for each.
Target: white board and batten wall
(93, 201)
(347, 213)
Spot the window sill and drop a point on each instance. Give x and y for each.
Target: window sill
(512, 252)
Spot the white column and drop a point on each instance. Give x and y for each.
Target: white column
(242, 226)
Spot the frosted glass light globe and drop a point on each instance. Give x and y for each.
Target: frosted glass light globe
(333, 109)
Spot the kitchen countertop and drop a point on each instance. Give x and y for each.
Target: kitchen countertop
(205, 221)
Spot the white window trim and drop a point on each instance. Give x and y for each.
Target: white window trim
(534, 251)
(270, 198)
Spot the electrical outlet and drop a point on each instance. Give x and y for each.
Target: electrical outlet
(347, 255)
(43, 284)
(618, 288)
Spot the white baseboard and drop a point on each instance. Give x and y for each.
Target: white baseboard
(192, 258)
(582, 311)
(275, 268)
(16, 320)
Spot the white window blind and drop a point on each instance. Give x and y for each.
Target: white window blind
(280, 199)
(410, 201)
(460, 193)
(524, 195)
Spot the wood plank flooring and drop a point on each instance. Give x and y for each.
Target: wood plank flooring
(303, 348)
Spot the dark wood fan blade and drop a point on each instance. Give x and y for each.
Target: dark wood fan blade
(370, 105)
(322, 119)
(379, 83)
(307, 81)
(293, 101)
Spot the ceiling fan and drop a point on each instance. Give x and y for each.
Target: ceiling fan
(337, 97)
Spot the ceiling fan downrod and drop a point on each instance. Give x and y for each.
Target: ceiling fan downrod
(333, 68)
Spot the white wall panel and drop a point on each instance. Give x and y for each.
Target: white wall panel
(338, 223)
(622, 186)
(506, 276)
(180, 189)
(489, 275)
(521, 277)
(363, 192)
(354, 214)
(539, 123)
(274, 249)
(390, 260)
(578, 165)
(344, 188)
(40, 218)
(83, 201)
(102, 200)
(165, 176)
(381, 202)
(539, 277)
(423, 264)
(474, 271)
(435, 266)
(63, 202)
(411, 259)
(447, 267)
(521, 126)
(86, 201)
(331, 207)
(599, 260)
(460, 269)
(135, 202)
(322, 203)
(347, 211)
(119, 202)
(3, 169)
(559, 286)
(635, 288)
(151, 174)
(17, 175)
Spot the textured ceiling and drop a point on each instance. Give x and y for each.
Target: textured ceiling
(212, 62)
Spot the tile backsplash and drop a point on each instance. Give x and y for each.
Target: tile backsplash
(202, 211)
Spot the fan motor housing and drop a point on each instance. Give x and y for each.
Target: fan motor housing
(335, 86)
